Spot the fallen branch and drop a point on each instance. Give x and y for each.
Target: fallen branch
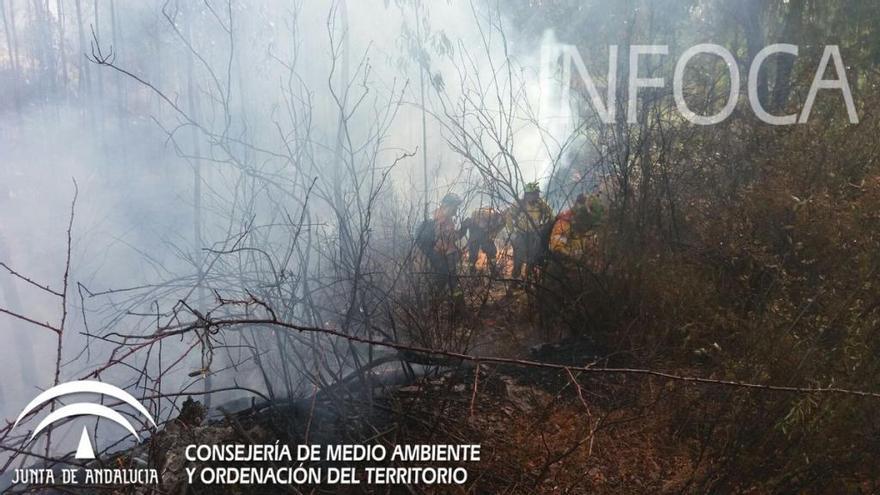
(218, 324)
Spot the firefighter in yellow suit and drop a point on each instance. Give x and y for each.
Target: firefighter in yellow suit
(483, 226)
(529, 221)
(572, 231)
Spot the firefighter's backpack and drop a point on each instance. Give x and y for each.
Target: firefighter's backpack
(426, 236)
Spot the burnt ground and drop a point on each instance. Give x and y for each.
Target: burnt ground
(539, 431)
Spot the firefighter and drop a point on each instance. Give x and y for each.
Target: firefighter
(444, 253)
(529, 221)
(437, 238)
(482, 228)
(575, 259)
(569, 235)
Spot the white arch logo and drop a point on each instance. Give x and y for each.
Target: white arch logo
(85, 450)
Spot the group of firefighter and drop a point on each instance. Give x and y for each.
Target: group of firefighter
(535, 233)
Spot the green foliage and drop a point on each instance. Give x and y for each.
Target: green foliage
(747, 252)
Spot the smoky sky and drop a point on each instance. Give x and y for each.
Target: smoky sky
(265, 76)
(115, 138)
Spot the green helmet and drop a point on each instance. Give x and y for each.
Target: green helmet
(533, 187)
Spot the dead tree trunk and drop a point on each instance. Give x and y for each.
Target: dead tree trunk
(62, 53)
(194, 110)
(9, 30)
(85, 84)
